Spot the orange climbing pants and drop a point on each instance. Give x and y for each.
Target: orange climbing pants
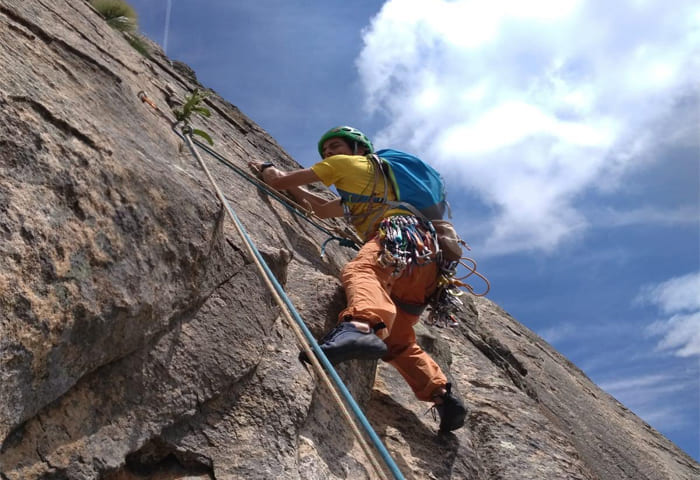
(369, 289)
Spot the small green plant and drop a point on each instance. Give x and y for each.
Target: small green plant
(138, 43)
(118, 14)
(192, 106)
(122, 17)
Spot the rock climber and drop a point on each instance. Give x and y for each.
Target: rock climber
(384, 296)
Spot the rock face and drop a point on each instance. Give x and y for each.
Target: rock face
(137, 340)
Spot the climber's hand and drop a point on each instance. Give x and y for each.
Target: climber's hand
(266, 170)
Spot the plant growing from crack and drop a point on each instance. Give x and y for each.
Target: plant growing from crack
(192, 106)
(122, 17)
(118, 14)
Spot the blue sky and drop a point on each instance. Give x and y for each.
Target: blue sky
(568, 132)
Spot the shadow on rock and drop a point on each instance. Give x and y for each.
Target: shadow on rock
(412, 443)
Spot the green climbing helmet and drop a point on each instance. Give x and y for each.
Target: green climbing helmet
(349, 133)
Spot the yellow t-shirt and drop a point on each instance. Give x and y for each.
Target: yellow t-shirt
(354, 178)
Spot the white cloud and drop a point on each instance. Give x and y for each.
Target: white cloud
(678, 297)
(560, 332)
(529, 104)
(679, 294)
(656, 397)
(681, 333)
(646, 215)
(628, 386)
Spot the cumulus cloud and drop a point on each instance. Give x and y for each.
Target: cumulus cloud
(679, 299)
(529, 104)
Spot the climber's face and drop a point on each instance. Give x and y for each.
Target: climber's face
(336, 146)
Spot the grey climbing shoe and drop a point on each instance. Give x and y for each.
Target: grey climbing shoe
(346, 342)
(452, 411)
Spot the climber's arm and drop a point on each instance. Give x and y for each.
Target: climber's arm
(292, 181)
(322, 207)
(280, 180)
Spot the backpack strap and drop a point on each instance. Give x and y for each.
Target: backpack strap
(382, 175)
(407, 206)
(370, 216)
(384, 169)
(379, 174)
(437, 211)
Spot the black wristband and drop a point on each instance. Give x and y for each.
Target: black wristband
(266, 165)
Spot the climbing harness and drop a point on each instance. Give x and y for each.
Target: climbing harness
(296, 323)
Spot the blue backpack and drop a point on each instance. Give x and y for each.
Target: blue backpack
(419, 188)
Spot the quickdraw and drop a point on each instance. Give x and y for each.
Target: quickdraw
(445, 302)
(407, 242)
